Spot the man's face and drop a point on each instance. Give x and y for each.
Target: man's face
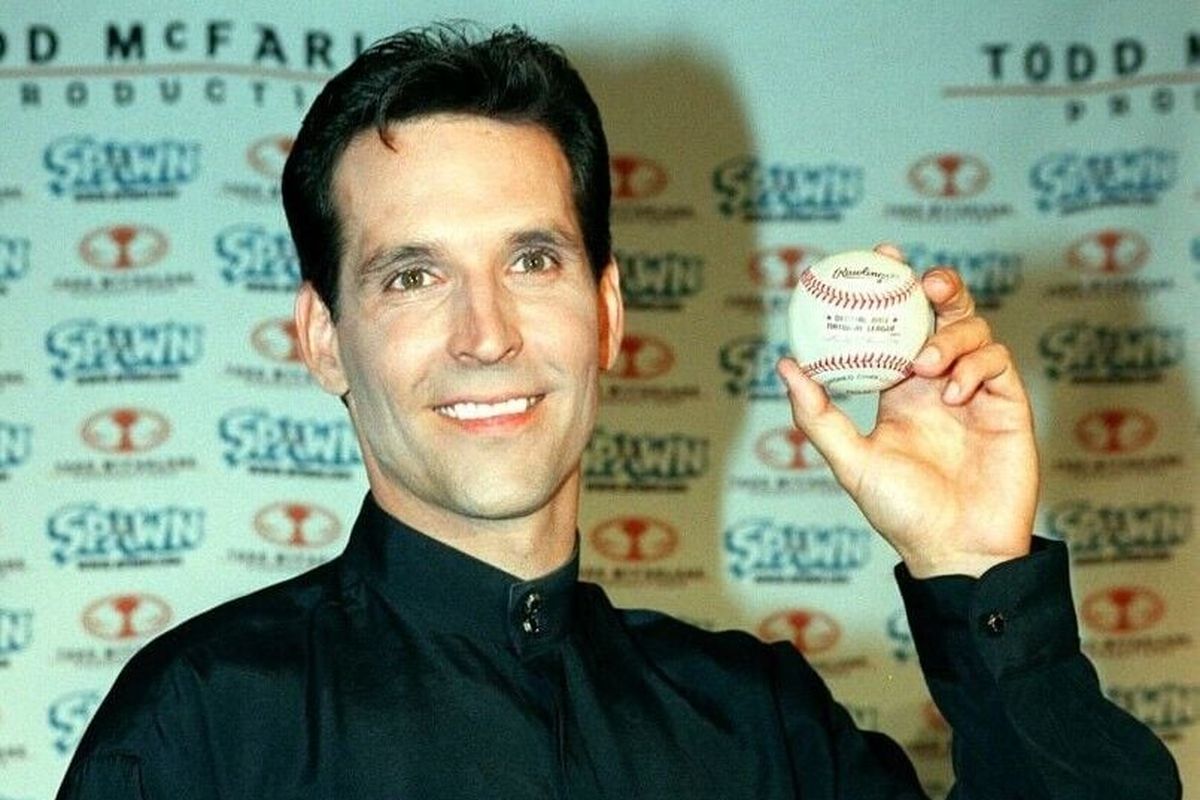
(470, 330)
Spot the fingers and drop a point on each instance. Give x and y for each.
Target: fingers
(949, 344)
(991, 367)
(946, 290)
(829, 430)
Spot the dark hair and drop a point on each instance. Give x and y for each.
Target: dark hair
(509, 76)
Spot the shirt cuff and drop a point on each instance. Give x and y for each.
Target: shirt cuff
(1018, 615)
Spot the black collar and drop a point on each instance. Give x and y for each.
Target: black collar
(448, 591)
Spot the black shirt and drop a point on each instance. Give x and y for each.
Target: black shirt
(406, 669)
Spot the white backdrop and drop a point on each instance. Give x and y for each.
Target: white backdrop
(162, 450)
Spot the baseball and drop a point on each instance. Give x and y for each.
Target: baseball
(857, 320)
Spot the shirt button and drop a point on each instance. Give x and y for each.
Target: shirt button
(993, 623)
(531, 614)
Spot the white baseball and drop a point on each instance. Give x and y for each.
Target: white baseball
(857, 320)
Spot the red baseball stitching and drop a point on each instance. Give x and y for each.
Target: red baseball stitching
(859, 361)
(854, 300)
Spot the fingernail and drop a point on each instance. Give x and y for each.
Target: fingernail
(952, 392)
(929, 356)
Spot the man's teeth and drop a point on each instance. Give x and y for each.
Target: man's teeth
(517, 405)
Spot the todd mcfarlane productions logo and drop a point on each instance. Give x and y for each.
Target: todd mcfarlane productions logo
(1085, 352)
(14, 260)
(991, 275)
(1126, 621)
(659, 280)
(639, 375)
(92, 536)
(86, 168)
(815, 634)
(291, 536)
(638, 184)
(123, 257)
(785, 462)
(750, 361)
(275, 344)
(258, 259)
(1112, 79)
(126, 440)
(622, 461)
(1115, 442)
(948, 184)
(87, 351)
(117, 626)
(1107, 263)
(264, 158)
(753, 191)
(267, 444)
(637, 551)
(769, 551)
(773, 273)
(1067, 183)
(1097, 532)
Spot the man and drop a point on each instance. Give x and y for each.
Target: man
(449, 201)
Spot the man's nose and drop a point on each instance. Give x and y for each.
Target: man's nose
(486, 328)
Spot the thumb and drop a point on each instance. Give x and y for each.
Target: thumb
(825, 425)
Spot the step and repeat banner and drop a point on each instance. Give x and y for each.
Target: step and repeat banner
(162, 449)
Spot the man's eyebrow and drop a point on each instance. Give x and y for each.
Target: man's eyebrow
(393, 256)
(549, 236)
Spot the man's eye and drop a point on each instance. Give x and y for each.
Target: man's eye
(409, 279)
(535, 261)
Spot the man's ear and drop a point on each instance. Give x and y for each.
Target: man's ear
(317, 338)
(612, 314)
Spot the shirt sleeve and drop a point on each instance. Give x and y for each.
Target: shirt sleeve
(1002, 660)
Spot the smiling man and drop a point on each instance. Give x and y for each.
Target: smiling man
(449, 201)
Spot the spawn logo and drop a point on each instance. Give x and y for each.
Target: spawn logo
(659, 280)
(1104, 263)
(274, 342)
(1120, 619)
(752, 191)
(773, 273)
(643, 462)
(749, 361)
(89, 169)
(1073, 182)
(1115, 439)
(69, 716)
(898, 632)
(265, 444)
(16, 632)
(298, 534)
(768, 551)
(633, 549)
(14, 260)
(1084, 352)
(16, 446)
(815, 634)
(1167, 708)
(947, 184)
(1103, 534)
(121, 623)
(87, 351)
(991, 275)
(91, 536)
(636, 376)
(265, 158)
(119, 257)
(257, 259)
(125, 439)
(785, 462)
(637, 186)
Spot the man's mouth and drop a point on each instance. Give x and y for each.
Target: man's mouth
(467, 410)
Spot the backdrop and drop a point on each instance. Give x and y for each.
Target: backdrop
(162, 450)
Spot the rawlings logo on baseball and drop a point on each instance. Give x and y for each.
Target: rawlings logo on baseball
(858, 319)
